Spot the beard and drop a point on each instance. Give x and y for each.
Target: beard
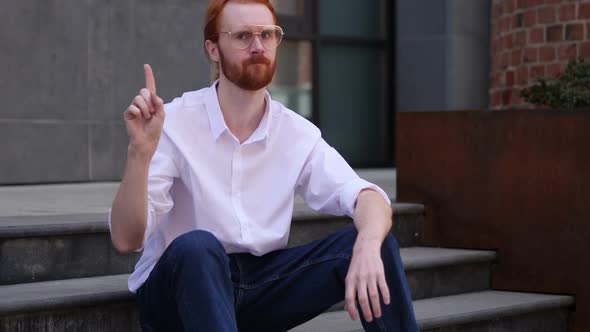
(252, 74)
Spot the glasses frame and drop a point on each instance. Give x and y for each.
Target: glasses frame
(257, 33)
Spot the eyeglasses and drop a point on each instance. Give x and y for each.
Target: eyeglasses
(241, 37)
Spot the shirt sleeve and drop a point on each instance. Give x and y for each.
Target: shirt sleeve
(162, 171)
(329, 185)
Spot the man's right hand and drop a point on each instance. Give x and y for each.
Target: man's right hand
(144, 118)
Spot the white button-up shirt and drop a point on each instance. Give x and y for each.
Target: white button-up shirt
(201, 177)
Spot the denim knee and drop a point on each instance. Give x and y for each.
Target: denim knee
(390, 252)
(390, 242)
(197, 243)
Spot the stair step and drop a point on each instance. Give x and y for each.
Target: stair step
(39, 248)
(97, 197)
(93, 299)
(309, 225)
(59, 294)
(51, 224)
(433, 272)
(87, 304)
(496, 311)
(104, 304)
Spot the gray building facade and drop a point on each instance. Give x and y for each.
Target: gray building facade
(69, 69)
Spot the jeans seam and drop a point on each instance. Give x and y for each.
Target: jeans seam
(380, 324)
(304, 265)
(239, 297)
(174, 260)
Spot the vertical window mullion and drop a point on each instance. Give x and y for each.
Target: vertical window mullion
(391, 81)
(314, 19)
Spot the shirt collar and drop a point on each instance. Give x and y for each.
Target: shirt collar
(218, 125)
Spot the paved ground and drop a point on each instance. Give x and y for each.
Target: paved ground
(60, 199)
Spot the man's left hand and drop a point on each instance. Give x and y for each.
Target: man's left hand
(365, 279)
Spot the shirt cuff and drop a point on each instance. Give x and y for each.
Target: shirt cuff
(351, 192)
(109, 219)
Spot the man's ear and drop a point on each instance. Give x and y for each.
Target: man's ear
(212, 50)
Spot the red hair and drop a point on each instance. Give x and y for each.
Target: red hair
(214, 12)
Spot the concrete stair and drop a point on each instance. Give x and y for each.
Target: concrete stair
(478, 311)
(104, 303)
(61, 273)
(40, 248)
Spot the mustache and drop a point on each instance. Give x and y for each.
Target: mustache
(257, 59)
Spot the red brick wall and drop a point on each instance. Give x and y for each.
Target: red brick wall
(532, 38)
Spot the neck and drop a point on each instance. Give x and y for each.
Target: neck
(242, 109)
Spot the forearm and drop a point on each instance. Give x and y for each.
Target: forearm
(365, 282)
(129, 210)
(373, 218)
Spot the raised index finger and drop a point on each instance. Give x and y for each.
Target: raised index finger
(150, 81)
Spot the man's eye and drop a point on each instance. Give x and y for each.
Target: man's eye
(265, 34)
(243, 35)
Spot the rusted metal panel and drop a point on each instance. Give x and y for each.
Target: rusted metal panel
(515, 181)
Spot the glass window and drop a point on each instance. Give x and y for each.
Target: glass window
(352, 18)
(289, 7)
(352, 103)
(291, 84)
(334, 71)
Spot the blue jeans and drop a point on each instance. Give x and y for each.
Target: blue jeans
(196, 286)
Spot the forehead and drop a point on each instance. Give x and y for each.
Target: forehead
(235, 14)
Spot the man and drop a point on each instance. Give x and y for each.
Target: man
(208, 195)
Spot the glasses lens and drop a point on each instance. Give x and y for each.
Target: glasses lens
(241, 38)
(271, 37)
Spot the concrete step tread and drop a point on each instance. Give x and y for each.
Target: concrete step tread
(97, 197)
(81, 291)
(25, 226)
(56, 294)
(452, 310)
(302, 212)
(35, 225)
(416, 258)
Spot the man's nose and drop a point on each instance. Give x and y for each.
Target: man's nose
(256, 45)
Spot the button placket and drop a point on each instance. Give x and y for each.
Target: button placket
(238, 196)
(235, 191)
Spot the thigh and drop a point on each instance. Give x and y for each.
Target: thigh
(288, 287)
(155, 307)
(186, 284)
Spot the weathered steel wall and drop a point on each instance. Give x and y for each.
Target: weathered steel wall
(515, 181)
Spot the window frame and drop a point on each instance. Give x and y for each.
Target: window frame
(306, 28)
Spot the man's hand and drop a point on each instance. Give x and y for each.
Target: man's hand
(144, 118)
(365, 279)
(366, 276)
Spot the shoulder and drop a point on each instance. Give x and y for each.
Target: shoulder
(189, 99)
(186, 109)
(292, 123)
(185, 116)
